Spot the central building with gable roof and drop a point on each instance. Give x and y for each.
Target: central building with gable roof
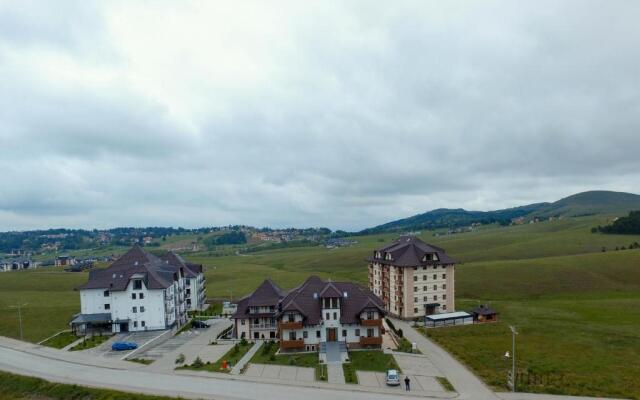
(311, 315)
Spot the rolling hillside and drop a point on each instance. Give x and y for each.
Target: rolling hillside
(581, 204)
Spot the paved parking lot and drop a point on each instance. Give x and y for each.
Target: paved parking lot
(419, 383)
(282, 372)
(141, 338)
(416, 365)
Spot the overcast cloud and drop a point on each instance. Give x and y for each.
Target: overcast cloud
(337, 114)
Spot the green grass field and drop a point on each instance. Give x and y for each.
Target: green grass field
(577, 308)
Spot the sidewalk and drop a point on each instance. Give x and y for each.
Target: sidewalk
(245, 359)
(335, 373)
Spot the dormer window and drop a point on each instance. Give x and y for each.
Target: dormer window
(378, 254)
(137, 284)
(388, 256)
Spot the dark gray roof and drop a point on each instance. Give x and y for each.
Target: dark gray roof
(484, 309)
(190, 270)
(409, 251)
(84, 318)
(157, 273)
(306, 299)
(268, 294)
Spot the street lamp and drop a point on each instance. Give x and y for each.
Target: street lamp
(514, 332)
(19, 307)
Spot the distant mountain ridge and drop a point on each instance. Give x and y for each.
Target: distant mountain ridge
(585, 203)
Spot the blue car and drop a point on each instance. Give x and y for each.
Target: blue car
(120, 346)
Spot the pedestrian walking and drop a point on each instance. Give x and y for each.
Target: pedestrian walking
(407, 383)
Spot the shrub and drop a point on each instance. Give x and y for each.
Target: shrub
(243, 342)
(180, 359)
(272, 357)
(400, 333)
(197, 363)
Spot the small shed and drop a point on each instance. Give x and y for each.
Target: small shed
(448, 319)
(484, 313)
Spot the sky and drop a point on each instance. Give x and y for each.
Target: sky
(315, 113)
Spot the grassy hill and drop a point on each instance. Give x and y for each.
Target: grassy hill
(590, 203)
(581, 204)
(576, 306)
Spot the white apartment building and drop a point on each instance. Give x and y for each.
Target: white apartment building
(138, 292)
(413, 278)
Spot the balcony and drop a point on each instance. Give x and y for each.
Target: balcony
(371, 341)
(263, 326)
(292, 344)
(371, 322)
(291, 325)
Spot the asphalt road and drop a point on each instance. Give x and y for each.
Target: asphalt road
(66, 371)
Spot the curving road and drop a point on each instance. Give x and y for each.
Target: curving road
(30, 362)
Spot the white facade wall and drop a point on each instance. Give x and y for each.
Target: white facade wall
(92, 301)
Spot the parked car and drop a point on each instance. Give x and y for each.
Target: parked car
(199, 324)
(121, 346)
(393, 378)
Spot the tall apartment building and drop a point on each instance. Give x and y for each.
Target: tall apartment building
(139, 292)
(413, 278)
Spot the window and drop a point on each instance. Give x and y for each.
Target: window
(328, 316)
(188, 281)
(335, 316)
(444, 297)
(137, 284)
(444, 276)
(435, 276)
(370, 332)
(344, 333)
(415, 310)
(106, 293)
(435, 297)
(133, 296)
(444, 286)
(424, 277)
(292, 318)
(256, 335)
(141, 295)
(357, 332)
(241, 322)
(135, 309)
(292, 335)
(415, 288)
(272, 335)
(444, 307)
(107, 306)
(305, 334)
(318, 334)
(143, 323)
(370, 315)
(415, 299)
(424, 298)
(415, 278)
(135, 324)
(435, 287)
(141, 308)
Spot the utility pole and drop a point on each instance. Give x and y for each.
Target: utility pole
(514, 332)
(19, 307)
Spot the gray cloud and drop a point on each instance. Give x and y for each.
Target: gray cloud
(316, 114)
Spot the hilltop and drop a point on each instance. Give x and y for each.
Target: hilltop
(587, 203)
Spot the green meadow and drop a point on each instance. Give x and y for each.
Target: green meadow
(577, 308)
